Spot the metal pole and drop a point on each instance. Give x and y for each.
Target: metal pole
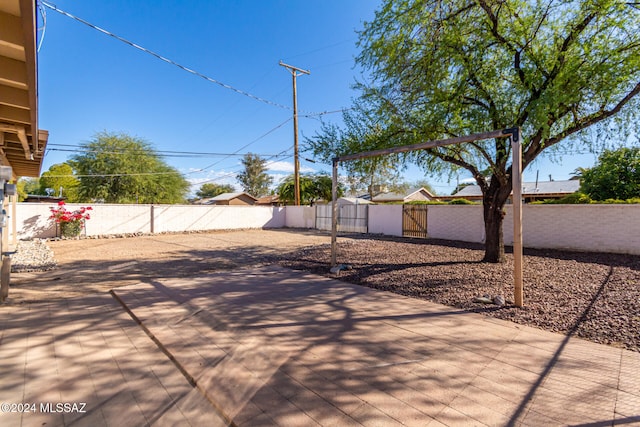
(334, 213)
(14, 220)
(516, 171)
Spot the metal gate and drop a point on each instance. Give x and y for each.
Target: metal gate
(351, 218)
(414, 221)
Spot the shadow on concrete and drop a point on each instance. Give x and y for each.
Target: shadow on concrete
(553, 361)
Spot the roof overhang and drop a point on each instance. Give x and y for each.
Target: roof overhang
(22, 144)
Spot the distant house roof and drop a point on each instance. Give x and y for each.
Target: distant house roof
(353, 201)
(268, 200)
(413, 194)
(229, 196)
(232, 198)
(541, 189)
(36, 198)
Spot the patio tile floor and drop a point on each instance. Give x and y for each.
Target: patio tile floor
(271, 346)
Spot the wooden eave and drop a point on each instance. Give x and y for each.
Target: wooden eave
(22, 144)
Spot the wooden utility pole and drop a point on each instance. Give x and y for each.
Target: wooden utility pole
(295, 72)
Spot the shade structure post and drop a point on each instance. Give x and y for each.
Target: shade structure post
(513, 134)
(516, 172)
(334, 212)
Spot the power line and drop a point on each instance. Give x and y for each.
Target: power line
(280, 156)
(43, 13)
(182, 67)
(106, 175)
(234, 173)
(162, 58)
(225, 155)
(245, 146)
(161, 153)
(320, 49)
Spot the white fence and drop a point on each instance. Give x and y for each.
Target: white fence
(591, 228)
(594, 228)
(32, 218)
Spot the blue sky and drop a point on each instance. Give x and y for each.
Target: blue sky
(91, 82)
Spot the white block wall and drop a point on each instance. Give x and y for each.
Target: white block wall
(456, 222)
(593, 228)
(300, 217)
(192, 218)
(601, 228)
(385, 219)
(32, 219)
(116, 219)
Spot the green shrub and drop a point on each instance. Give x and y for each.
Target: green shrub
(576, 198)
(581, 198)
(462, 202)
(632, 201)
(425, 202)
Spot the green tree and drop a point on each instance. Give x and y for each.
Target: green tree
(118, 168)
(26, 186)
(441, 69)
(61, 179)
(424, 184)
(312, 188)
(209, 190)
(254, 178)
(616, 175)
(361, 132)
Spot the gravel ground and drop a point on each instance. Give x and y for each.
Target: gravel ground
(595, 296)
(32, 255)
(591, 295)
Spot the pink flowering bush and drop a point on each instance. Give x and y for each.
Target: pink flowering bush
(70, 222)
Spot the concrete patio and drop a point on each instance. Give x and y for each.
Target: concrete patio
(270, 346)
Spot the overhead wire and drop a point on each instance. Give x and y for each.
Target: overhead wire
(234, 173)
(182, 67)
(319, 49)
(245, 146)
(160, 153)
(162, 58)
(226, 156)
(42, 4)
(43, 13)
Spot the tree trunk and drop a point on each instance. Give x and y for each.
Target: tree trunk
(494, 200)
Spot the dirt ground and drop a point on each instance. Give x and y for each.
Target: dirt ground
(89, 266)
(595, 296)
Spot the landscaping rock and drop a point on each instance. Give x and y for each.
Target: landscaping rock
(595, 296)
(498, 300)
(32, 255)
